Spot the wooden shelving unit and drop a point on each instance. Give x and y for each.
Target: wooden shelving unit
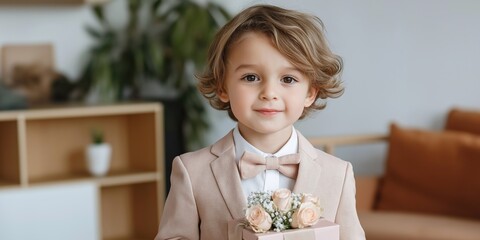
(46, 146)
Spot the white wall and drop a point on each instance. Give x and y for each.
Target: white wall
(63, 26)
(405, 61)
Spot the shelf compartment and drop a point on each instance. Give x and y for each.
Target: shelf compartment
(56, 147)
(9, 154)
(129, 211)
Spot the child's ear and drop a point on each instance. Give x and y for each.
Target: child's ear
(223, 95)
(311, 97)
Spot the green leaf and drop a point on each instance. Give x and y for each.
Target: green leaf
(155, 57)
(98, 12)
(97, 136)
(156, 6)
(95, 33)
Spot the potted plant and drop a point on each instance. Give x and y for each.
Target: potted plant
(98, 154)
(165, 42)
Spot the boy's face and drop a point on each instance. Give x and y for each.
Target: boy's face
(267, 94)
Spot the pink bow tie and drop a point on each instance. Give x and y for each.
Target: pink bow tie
(252, 164)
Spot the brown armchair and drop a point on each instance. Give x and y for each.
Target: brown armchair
(431, 186)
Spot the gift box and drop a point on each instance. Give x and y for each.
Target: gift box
(323, 230)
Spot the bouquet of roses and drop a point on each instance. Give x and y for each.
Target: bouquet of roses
(281, 209)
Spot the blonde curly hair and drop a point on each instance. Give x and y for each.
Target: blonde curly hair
(296, 35)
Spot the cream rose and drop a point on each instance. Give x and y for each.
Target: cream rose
(258, 218)
(306, 215)
(310, 198)
(282, 199)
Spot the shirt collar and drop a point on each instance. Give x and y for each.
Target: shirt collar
(241, 145)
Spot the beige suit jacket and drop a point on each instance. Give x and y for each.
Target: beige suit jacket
(206, 192)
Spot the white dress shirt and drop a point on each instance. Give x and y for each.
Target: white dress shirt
(268, 180)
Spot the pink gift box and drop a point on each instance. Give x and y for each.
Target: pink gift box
(323, 230)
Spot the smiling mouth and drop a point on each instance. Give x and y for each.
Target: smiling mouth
(268, 111)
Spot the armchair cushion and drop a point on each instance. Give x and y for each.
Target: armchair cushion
(432, 173)
(463, 120)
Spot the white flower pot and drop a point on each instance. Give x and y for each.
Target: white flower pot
(98, 159)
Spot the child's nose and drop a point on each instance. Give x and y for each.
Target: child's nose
(268, 91)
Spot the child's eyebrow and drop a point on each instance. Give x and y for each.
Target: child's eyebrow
(293, 69)
(249, 66)
(242, 66)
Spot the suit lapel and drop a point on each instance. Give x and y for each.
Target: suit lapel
(307, 176)
(226, 174)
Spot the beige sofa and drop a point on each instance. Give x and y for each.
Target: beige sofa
(431, 186)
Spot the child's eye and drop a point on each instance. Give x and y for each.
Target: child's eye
(250, 78)
(289, 80)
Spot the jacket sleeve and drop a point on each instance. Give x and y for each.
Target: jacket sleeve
(347, 218)
(180, 218)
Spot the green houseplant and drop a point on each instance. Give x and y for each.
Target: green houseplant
(164, 41)
(98, 154)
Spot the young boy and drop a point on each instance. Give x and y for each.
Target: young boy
(267, 67)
